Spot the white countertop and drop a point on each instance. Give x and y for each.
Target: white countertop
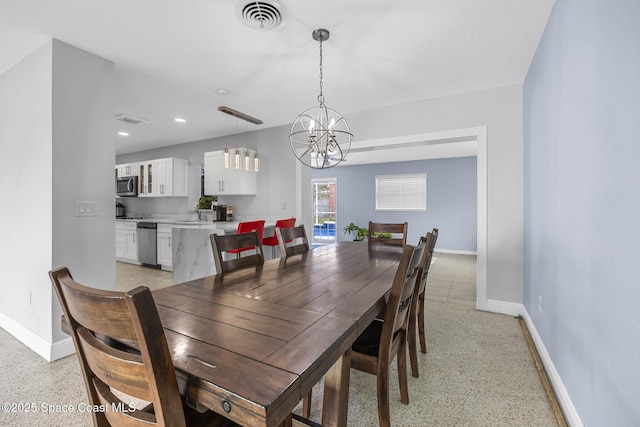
(227, 226)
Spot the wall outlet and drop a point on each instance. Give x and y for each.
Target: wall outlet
(469, 239)
(540, 303)
(283, 204)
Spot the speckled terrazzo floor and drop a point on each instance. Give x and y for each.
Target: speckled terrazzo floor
(478, 371)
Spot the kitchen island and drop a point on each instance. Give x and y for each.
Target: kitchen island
(191, 249)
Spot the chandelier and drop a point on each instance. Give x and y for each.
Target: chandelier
(320, 137)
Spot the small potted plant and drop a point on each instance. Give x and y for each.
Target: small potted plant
(205, 202)
(358, 233)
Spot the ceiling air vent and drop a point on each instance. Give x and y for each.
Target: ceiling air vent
(261, 15)
(126, 118)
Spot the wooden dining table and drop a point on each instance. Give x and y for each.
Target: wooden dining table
(250, 344)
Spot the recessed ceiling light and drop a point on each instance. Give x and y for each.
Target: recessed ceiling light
(123, 133)
(180, 120)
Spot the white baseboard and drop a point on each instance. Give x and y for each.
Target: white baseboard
(503, 307)
(568, 409)
(46, 350)
(453, 251)
(62, 348)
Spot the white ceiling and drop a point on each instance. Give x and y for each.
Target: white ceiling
(172, 56)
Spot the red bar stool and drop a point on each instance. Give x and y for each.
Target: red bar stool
(273, 240)
(246, 227)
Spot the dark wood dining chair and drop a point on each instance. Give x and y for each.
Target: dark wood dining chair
(386, 338)
(273, 240)
(418, 307)
(375, 348)
(247, 227)
(229, 242)
(292, 241)
(122, 347)
(398, 234)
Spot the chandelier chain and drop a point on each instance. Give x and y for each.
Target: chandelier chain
(321, 96)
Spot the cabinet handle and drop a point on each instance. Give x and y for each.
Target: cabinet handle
(134, 238)
(169, 241)
(223, 185)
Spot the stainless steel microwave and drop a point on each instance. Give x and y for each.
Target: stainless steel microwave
(127, 186)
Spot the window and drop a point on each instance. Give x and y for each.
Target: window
(401, 192)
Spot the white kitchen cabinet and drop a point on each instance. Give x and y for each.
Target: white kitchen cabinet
(230, 180)
(127, 241)
(171, 177)
(165, 255)
(146, 180)
(127, 169)
(163, 178)
(119, 239)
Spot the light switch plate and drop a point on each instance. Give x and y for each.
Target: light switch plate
(87, 208)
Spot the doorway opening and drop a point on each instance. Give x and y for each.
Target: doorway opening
(323, 192)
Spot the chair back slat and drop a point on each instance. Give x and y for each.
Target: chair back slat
(122, 370)
(100, 322)
(284, 223)
(292, 241)
(398, 234)
(122, 418)
(401, 296)
(106, 312)
(225, 243)
(427, 257)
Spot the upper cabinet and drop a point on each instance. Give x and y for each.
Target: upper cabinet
(128, 169)
(234, 175)
(163, 178)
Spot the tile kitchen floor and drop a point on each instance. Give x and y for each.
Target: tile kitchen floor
(130, 276)
(452, 278)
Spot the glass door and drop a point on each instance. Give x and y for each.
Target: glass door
(324, 210)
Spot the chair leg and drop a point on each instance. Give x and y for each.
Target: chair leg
(288, 422)
(382, 391)
(423, 343)
(413, 346)
(306, 405)
(273, 252)
(402, 373)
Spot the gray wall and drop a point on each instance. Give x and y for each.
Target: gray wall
(451, 199)
(582, 204)
(57, 147)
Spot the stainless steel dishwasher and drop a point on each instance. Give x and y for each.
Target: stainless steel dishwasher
(147, 243)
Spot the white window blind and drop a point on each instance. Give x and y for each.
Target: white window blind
(407, 192)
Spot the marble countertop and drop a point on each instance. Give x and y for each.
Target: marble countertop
(224, 225)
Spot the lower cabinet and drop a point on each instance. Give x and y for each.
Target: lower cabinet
(119, 239)
(127, 241)
(165, 255)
